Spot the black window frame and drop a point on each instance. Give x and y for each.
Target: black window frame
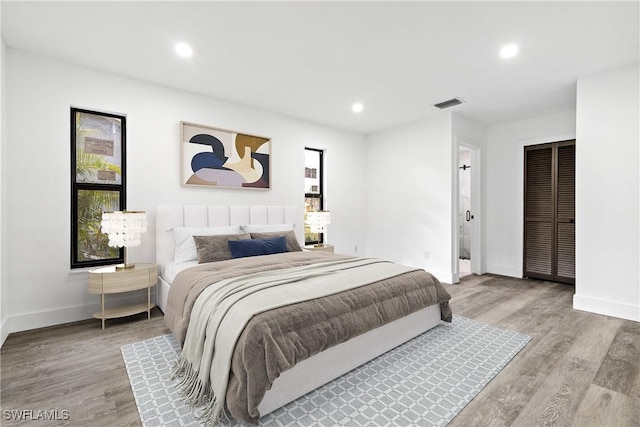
(319, 195)
(76, 187)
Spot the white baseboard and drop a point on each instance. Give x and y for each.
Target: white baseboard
(504, 270)
(42, 319)
(59, 316)
(4, 330)
(608, 308)
(443, 276)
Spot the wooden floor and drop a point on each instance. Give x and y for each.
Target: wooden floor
(579, 369)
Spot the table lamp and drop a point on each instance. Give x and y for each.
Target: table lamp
(318, 221)
(124, 229)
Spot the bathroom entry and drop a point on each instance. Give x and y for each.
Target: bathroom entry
(465, 213)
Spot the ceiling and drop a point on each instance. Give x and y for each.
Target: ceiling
(313, 60)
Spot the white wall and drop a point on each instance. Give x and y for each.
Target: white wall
(3, 279)
(607, 194)
(345, 193)
(41, 288)
(504, 185)
(409, 198)
(412, 181)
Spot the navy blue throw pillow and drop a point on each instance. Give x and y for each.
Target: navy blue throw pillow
(254, 247)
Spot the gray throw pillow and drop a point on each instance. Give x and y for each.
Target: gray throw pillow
(216, 248)
(290, 235)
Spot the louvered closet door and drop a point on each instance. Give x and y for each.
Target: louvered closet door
(549, 234)
(566, 212)
(539, 221)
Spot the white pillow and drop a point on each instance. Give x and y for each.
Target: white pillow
(186, 246)
(265, 228)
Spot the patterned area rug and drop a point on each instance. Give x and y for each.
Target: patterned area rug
(426, 381)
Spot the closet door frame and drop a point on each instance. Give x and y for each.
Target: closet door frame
(553, 276)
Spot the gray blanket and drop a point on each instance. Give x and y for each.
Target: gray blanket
(274, 341)
(189, 283)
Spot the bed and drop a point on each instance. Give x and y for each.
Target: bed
(292, 373)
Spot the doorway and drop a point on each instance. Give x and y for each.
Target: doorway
(464, 211)
(466, 254)
(468, 251)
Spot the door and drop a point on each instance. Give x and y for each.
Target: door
(467, 253)
(549, 223)
(464, 211)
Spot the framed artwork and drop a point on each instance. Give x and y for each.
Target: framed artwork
(213, 157)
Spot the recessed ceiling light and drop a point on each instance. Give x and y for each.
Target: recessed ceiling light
(357, 107)
(184, 50)
(509, 51)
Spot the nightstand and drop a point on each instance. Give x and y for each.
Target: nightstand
(109, 280)
(322, 247)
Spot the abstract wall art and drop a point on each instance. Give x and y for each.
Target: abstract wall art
(221, 158)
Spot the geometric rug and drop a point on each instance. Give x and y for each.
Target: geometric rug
(425, 381)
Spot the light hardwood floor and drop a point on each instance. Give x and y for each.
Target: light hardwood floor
(579, 369)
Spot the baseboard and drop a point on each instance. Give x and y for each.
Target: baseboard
(608, 308)
(43, 319)
(4, 330)
(504, 270)
(443, 276)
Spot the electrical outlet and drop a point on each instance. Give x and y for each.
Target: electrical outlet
(426, 254)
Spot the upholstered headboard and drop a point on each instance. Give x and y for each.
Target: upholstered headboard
(169, 216)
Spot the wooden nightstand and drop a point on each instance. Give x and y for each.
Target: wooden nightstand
(323, 248)
(109, 280)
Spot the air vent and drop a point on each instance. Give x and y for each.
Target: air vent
(449, 103)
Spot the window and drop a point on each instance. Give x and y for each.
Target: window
(313, 188)
(98, 181)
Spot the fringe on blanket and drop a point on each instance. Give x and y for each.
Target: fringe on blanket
(198, 395)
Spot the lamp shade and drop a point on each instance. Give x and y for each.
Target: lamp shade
(318, 220)
(124, 227)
